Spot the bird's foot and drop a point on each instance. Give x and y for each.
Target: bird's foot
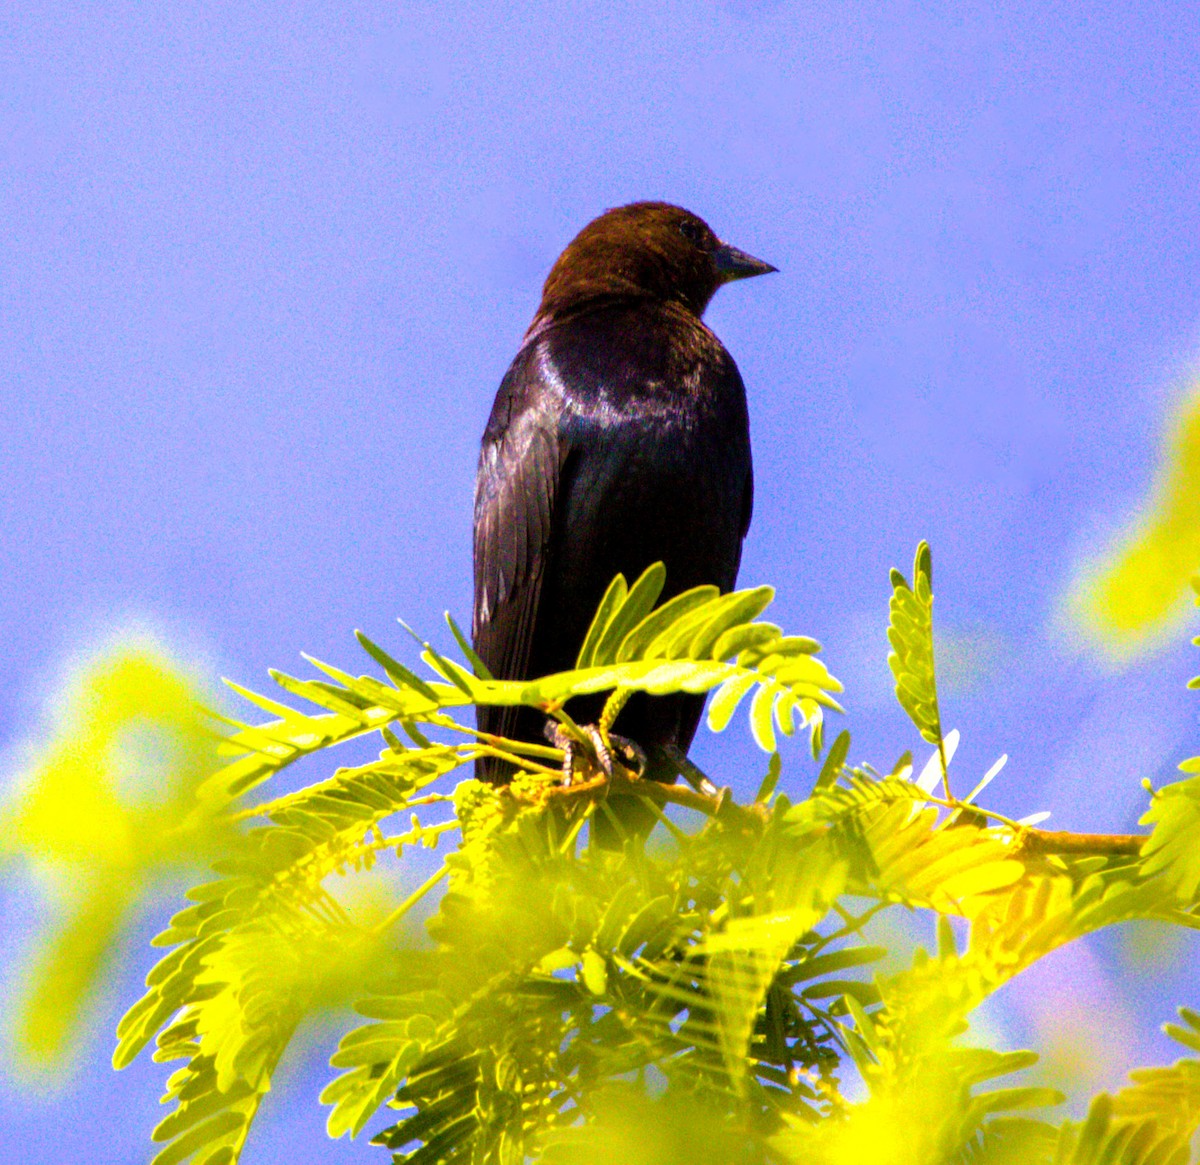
(558, 736)
(609, 747)
(606, 748)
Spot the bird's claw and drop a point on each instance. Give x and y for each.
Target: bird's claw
(558, 736)
(631, 754)
(606, 748)
(601, 748)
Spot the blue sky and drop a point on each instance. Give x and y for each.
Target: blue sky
(262, 270)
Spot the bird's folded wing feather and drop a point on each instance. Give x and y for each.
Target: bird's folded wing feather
(515, 493)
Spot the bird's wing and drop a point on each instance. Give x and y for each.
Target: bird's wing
(747, 505)
(519, 470)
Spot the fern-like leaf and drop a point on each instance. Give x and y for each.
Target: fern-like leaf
(910, 633)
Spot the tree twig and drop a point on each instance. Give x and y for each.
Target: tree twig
(1030, 842)
(619, 785)
(1066, 844)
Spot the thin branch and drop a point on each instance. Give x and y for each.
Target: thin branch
(853, 923)
(521, 747)
(525, 763)
(418, 835)
(1066, 844)
(620, 785)
(410, 901)
(1049, 842)
(1031, 842)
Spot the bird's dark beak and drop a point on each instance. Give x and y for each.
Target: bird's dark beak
(733, 264)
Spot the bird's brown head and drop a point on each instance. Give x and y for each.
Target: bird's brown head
(647, 250)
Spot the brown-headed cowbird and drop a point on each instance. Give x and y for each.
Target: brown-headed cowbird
(618, 438)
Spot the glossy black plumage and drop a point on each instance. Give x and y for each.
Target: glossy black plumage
(619, 437)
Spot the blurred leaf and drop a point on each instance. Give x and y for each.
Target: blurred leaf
(108, 811)
(269, 944)
(1133, 595)
(634, 1129)
(68, 972)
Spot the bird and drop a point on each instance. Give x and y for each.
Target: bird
(619, 437)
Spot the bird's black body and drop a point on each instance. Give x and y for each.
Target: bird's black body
(619, 437)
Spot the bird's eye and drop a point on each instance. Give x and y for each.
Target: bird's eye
(692, 231)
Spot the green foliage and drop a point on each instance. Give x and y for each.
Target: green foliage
(266, 945)
(1175, 815)
(1126, 600)
(559, 972)
(702, 997)
(698, 642)
(100, 838)
(910, 633)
